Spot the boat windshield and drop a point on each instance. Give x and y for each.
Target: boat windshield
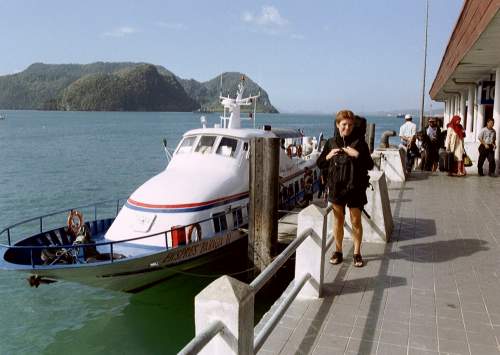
(186, 145)
(227, 147)
(205, 144)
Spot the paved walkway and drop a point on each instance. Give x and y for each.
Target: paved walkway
(433, 290)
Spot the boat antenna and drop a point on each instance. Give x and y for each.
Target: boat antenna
(422, 98)
(255, 109)
(221, 84)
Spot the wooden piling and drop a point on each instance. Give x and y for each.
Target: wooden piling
(264, 194)
(370, 136)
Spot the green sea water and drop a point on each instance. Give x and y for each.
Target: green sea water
(56, 160)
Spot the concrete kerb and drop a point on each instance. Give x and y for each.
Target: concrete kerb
(310, 255)
(378, 228)
(392, 162)
(231, 302)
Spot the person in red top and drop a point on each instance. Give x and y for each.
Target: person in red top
(455, 144)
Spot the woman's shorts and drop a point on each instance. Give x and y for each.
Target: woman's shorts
(356, 199)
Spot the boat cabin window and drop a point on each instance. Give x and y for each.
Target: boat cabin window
(186, 145)
(205, 144)
(227, 147)
(237, 217)
(220, 222)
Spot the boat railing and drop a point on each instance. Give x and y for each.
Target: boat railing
(93, 208)
(74, 248)
(237, 334)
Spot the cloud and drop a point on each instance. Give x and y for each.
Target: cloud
(171, 25)
(120, 32)
(297, 36)
(269, 16)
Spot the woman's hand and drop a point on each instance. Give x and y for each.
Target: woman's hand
(333, 152)
(351, 152)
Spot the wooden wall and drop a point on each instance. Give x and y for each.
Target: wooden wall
(473, 20)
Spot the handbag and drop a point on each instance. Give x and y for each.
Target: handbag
(467, 160)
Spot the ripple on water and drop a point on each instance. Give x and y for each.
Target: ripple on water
(36, 315)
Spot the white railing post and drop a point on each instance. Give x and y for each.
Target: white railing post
(310, 255)
(231, 302)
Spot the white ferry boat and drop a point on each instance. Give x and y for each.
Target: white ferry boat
(173, 222)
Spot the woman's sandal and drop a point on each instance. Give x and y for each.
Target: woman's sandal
(358, 260)
(336, 258)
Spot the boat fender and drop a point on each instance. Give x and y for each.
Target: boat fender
(75, 221)
(191, 228)
(299, 151)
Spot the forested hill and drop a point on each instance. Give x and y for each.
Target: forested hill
(207, 93)
(139, 88)
(115, 87)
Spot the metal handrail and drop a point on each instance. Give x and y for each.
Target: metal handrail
(330, 241)
(198, 342)
(272, 268)
(264, 333)
(269, 271)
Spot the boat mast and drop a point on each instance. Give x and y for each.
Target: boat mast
(422, 99)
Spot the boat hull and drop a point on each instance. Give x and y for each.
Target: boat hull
(131, 274)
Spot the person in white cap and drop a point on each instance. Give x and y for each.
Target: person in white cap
(406, 133)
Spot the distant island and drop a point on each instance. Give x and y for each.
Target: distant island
(125, 86)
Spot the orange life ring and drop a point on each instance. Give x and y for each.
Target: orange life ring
(190, 230)
(74, 226)
(289, 151)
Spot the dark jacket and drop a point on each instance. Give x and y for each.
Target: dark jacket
(362, 163)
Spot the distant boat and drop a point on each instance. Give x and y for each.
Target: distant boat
(400, 115)
(3, 116)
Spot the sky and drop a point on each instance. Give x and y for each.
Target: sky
(314, 56)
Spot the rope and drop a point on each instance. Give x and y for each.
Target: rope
(211, 276)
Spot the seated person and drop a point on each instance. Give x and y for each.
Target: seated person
(90, 252)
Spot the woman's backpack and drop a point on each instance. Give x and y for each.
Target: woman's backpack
(341, 175)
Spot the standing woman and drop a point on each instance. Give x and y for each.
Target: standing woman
(454, 143)
(347, 158)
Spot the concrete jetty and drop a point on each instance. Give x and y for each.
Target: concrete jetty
(433, 289)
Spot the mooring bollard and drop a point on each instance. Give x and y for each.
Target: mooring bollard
(384, 140)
